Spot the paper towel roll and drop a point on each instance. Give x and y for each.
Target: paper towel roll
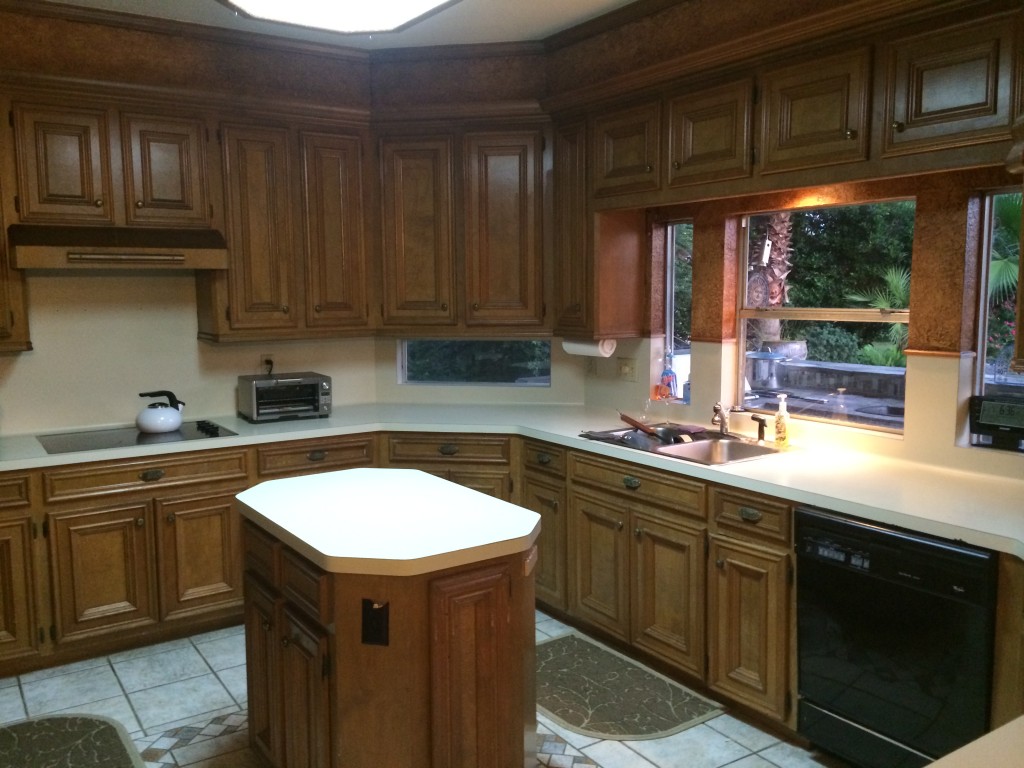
(601, 348)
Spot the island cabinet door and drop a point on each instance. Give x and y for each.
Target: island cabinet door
(263, 669)
(305, 674)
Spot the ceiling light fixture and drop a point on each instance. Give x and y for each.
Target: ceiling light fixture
(345, 17)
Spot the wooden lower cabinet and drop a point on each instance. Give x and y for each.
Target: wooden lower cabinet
(546, 497)
(18, 614)
(263, 668)
(306, 692)
(480, 462)
(748, 625)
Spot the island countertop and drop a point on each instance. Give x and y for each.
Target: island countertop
(387, 522)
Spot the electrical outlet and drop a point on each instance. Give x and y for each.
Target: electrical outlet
(266, 362)
(627, 368)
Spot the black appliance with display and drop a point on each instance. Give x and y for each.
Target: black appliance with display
(895, 641)
(126, 437)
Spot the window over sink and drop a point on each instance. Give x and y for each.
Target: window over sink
(999, 297)
(825, 312)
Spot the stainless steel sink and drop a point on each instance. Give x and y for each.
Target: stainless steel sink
(716, 451)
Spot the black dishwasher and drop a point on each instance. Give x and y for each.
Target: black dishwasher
(895, 641)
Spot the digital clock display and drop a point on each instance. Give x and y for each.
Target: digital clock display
(1002, 414)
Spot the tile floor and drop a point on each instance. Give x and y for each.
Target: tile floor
(184, 703)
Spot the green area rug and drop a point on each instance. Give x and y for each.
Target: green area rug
(593, 690)
(67, 741)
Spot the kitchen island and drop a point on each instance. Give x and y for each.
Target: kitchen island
(389, 621)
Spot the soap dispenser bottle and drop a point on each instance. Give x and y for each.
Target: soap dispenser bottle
(782, 423)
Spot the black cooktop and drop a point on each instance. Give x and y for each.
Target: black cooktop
(126, 437)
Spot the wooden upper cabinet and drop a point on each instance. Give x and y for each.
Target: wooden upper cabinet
(333, 219)
(949, 88)
(503, 224)
(64, 171)
(571, 246)
(165, 170)
(627, 150)
(816, 115)
(418, 236)
(259, 227)
(709, 134)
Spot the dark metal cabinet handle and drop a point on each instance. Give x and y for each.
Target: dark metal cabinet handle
(476, 306)
(448, 449)
(632, 483)
(265, 625)
(676, 165)
(648, 168)
(851, 134)
(620, 525)
(720, 563)
(317, 308)
(150, 475)
(316, 455)
(170, 517)
(638, 532)
(444, 307)
(543, 458)
(898, 126)
(750, 515)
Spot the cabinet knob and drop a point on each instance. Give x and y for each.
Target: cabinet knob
(898, 126)
(543, 458)
(851, 134)
(648, 168)
(316, 455)
(139, 204)
(444, 306)
(285, 642)
(676, 165)
(638, 532)
(630, 482)
(720, 563)
(265, 625)
(750, 515)
(476, 306)
(620, 525)
(448, 449)
(285, 309)
(170, 517)
(98, 202)
(318, 308)
(151, 475)
(140, 522)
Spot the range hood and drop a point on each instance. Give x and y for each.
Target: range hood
(65, 247)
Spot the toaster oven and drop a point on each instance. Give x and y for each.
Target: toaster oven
(279, 396)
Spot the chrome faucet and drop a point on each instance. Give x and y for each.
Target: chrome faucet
(721, 418)
(761, 422)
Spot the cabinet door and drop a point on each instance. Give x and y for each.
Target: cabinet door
(490, 481)
(263, 669)
(504, 241)
(418, 216)
(165, 170)
(573, 282)
(668, 590)
(305, 670)
(748, 622)
(333, 228)
(599, 562)
(626, 153)
(546, 497)
(101, 570)
(14, 335)
(818, 115)
(64, 172)
(259, 223)
(18, 620)
(710, 135)
(199, 548)
(952, 88)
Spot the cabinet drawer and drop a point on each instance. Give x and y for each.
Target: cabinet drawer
(649, 486)
(544, 457)
(261, 553)
(100, 479)
(750, 517)
(306, 585)
(418, 449)
(15, 491)
(314, 456)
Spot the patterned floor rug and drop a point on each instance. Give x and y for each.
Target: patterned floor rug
(594, 690)
(71, 741)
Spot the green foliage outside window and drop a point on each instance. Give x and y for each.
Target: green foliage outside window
(460, 361)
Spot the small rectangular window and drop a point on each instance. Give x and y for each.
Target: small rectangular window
(825, 312)
(521, 363)
(679, 303)
(1000, 296)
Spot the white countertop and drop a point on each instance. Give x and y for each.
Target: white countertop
(388, 522)
(985, 510)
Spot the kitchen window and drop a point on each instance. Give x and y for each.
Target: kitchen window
(825, 312)
(520, 363)
(679, 302)
(998, 315)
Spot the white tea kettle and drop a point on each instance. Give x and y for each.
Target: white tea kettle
(160, 417)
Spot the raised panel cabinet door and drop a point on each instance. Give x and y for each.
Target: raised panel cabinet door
(710, 135)
(18, 621)
(305, 692)
(263, 669)
(419, 241)
(815, 116)
(259, 223)
(626, 155)
(949, 88)
(493, 483)
(546, 497)
(504, 218)
(748, 625)
(668, 584)
(333, 230)
(200, 560)
(64, 172)
(475, 692)
(573, 281)
(599, 562)
(101, 564)
(165, 170)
